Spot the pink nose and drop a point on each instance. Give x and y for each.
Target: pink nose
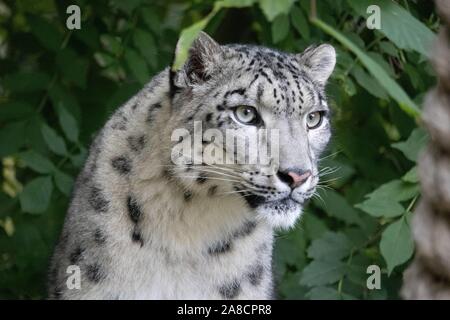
(298, 179)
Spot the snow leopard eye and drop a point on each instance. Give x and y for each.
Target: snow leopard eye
(246, 115)
(314, 119)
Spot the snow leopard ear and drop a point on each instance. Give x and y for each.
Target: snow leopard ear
(318, 61)
(203, 57)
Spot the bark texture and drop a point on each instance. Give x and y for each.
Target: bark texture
(428, 277)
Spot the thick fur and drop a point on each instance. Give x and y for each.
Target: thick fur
(141, 227)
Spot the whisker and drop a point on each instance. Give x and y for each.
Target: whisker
(330, 155)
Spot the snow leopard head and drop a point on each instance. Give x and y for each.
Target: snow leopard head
(231, 94)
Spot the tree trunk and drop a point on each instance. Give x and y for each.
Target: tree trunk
(428, 277)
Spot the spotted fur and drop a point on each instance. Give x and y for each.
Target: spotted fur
(140, 226)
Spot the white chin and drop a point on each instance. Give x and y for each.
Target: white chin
(280, 214)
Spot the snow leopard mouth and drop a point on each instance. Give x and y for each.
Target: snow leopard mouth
(287, 203)
(279, 204)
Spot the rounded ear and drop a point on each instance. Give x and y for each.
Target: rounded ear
(319, 62)
(203, 57)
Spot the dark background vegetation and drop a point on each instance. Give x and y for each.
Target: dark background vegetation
(58, 87)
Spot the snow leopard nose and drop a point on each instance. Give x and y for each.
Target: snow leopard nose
(294, 178)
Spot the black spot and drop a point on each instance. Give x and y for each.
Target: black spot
(134, 210)
(220, 247)
(259, 91)
(151, 111)
(208, 117)
(97, 200)
(166, 173)
(137, 237)
(255, 276)
(57, 292)
(230, 290)
(119, 125)
(99, 236)
(254, 200)
(201, 179)
(136, 143)
(246, 229)
(254, 79)
(76, 254)
(94, 272)
(212, 191)
(121, 164)
(240, 91)
(220, 107)
(187, 195)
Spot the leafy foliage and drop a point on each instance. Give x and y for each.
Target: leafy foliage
(58, 86)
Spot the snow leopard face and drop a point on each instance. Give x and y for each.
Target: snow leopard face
(237, 92)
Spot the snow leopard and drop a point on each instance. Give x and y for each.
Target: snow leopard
(143, 226)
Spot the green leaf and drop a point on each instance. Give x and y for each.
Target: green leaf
(151, 19)
(271, 8)
(300, 23)
(397, 244)
(36, 195)
(388, 48)
(72, 67)
(413, 145)
(411, 176)
(126, 6)
(379, 207)
(368, 83)
(14, 110)
(349, 86)
(187, 37)
(47, 34)
(63, 182)
(137, 65)
(60, 95)
(111, 44)
(280, 28)
(357, 269)
(103, 59)
(235, 3)
(291, 249)
(319, 273)
(146, 45)
(383, 78)
(327, 293)
(12, 138)
(399, 26)
(312, 225)
(189, 34)
(37, 162)
(68, 123)
(331, 246)
(289, 288)
(337, 206)
(53, 140)
(26, 82)
(395, 190)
